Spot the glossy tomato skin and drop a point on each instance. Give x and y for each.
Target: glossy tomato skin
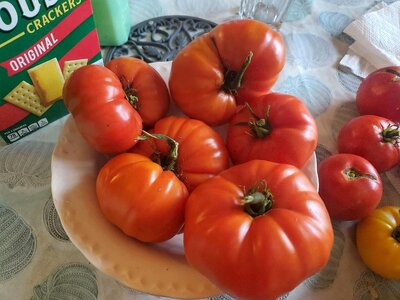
(378, 241)
(259, 257)
(142, 81)
(96, 100)
(379, 93)
(292, 132)
(202, 153)
(141, 199)
(374, 138)
(198, 80)
(349, 185)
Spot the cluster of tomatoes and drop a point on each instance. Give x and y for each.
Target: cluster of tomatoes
(249, 216)
(350, 184)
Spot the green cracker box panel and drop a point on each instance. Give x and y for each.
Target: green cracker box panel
(41, 42)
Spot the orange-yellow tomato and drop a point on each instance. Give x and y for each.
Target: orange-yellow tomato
(378, 241)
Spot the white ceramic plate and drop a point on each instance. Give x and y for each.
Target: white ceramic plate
(157, 269)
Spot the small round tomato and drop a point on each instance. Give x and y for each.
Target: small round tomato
(378, 241)
(106, 120)
(349, 185)
(257, 230)
(140, 198)
(143, 86)
(201, 150)
(234, 62)
(275, 127)
(379, 93)
(374, 138)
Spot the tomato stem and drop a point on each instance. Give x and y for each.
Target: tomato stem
(233, 79)
(396, 233)
(391, 134)
(396, 73)
(259, 127)
(258, 200)
(130, 93)
(168, 163)
(353, 174)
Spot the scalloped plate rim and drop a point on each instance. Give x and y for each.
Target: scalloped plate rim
(161, 269)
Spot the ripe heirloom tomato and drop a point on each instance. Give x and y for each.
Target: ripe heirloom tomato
(257, 230)
(106, 120)
(374, 138)
(234, 62)
(144, 88)
(378, 241)
(349, 185)
(140, 198)
(275, 127)
(379, 93)
(202, 153)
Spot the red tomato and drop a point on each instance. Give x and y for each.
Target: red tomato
(379, 93)
(257, 230)
(95, 97)
(136, 195)
(374, 138)
(202, 153)
(143, 86)
(275, 127)
(349, 185)
(236, 61)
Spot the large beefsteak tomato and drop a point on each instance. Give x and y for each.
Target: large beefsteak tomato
(201, 153)
(144, 88)
(257, 230)
(107, 121)
(236, 61)
(276, 127)
(143, 200)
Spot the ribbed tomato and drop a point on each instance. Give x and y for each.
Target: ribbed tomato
(143, 200)
(143, 86)
(276, 127)
(257, 230)
(234, 62)
(201, 150)
(106, 120)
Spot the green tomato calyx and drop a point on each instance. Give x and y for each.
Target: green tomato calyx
(259, 127)
(130, 93)
(167, 161)
(233, 79)
(258, 200)
(353, 174)
(391, 134)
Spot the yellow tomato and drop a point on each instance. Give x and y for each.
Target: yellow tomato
(378, 241)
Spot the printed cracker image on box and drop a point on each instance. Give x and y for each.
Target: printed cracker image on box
(41, 43)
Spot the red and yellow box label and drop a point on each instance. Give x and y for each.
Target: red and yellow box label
(41, 43)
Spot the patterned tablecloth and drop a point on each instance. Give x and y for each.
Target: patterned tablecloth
(38, 261)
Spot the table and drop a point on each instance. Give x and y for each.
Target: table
(37, 259)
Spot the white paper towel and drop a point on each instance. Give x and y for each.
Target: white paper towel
(376, 36)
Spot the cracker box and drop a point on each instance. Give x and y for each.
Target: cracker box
(41, 43)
